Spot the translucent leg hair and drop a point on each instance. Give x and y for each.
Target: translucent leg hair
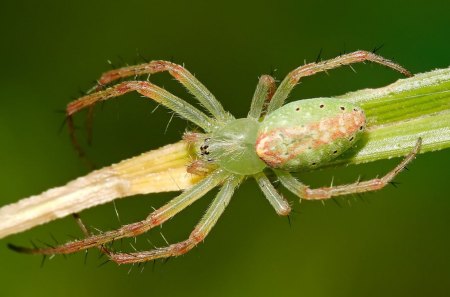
(156, 218)
(304, 192)
(294, 76)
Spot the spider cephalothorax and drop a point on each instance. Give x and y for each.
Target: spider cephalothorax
(299, 135)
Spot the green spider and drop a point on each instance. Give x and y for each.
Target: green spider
(299, 135)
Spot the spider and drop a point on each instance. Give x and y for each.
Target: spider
(283, 138)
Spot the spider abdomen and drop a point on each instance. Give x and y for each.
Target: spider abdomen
(307, 133)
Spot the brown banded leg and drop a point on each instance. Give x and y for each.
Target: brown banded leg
(295, 75)
(87, 234)
(156, 218)
(178, 72)
(151, 91)
(202, 229)
(145, 88)
(304, 192)
(181, 74)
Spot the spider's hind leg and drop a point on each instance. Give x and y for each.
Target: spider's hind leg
(305, 192)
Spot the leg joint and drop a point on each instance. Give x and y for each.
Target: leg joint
(196, 237)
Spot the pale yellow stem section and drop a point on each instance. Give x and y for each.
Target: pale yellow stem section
(160, 170)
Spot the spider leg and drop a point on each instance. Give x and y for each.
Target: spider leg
(86, 232)
(150, 90)
(145, 88)
(280, 204)
(181, 74)
(263, 93)
(294, 76)
(304, 192)
(156, 218)
(199, 233)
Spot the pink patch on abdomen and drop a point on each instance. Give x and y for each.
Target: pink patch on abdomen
(278, 146)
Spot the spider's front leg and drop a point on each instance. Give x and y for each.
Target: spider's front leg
(294, 76)
(304, 192)
(151, 91)
(145, 88)
(202, 229)
(181, 74)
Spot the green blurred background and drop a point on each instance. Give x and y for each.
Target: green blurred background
(395, 242)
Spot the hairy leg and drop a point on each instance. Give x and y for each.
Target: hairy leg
(294, 76)
(202, 229)
(280, 204)
(147, 89)
(181, 74)
(87, 234)
(156, 218)
(304, 192)
(263, 93)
